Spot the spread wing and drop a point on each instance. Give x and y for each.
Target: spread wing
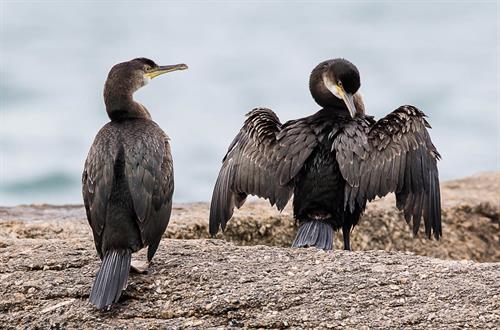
(262, 160)
(395, 154)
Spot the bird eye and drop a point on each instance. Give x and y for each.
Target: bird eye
(339, 83)
(147, 68)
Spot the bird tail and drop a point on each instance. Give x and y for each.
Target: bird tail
(314, 233)
(111, 278)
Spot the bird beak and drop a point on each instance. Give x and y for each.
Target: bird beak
(155, 72)
(348, 100)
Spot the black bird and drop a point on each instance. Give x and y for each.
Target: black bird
(333, 162)
(127, 180)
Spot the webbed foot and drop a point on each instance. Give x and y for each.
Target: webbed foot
(140, 267)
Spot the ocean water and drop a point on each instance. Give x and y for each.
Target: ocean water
(55, 55)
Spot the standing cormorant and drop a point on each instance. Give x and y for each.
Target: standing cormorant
(333, 162)
(127, 180)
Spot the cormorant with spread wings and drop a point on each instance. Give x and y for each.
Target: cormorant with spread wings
(333, 162)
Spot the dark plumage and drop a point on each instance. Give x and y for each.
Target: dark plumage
(333, 162)
(127, 180)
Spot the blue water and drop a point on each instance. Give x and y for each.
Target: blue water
(55, 55)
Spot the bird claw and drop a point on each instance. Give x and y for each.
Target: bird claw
(140, 267)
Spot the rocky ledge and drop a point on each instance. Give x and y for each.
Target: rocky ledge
(390, 280)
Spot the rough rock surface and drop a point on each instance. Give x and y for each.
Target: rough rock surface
(48, 263)
(471, 223)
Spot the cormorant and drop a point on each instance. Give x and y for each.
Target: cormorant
(127, 180)
(333, 162)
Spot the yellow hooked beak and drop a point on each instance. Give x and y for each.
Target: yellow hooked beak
(348, 100)
(155, 72)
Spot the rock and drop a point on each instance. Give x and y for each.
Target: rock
(471, 224)
(49, 263)
(178, 298)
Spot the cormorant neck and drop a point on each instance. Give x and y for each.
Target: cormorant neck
(121, 106)
(338, 110)
(333, 102)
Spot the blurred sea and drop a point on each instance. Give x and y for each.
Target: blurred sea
(55, 55)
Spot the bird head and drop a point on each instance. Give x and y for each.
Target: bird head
(334, 83)
(128, 77)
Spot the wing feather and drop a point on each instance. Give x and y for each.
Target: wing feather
(394, 154)
(97, 180)
(262, 160)
(149, 171)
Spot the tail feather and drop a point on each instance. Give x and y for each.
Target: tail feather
(314, 233)
(111, 278)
